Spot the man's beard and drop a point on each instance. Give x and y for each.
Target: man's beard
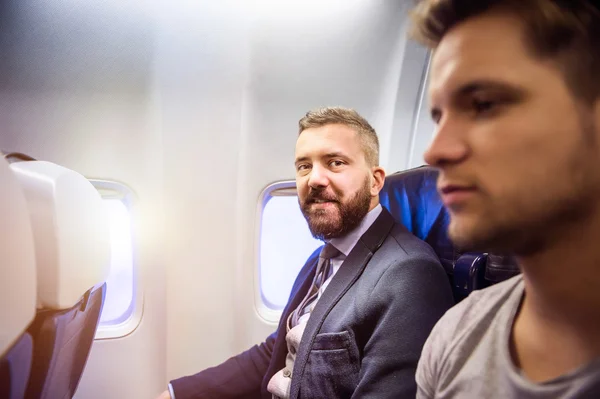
(337, 221)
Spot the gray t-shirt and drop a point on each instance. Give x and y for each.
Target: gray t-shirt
(467, 354)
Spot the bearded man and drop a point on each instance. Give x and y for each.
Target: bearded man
(362, 306)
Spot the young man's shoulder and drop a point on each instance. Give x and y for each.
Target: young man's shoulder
(477, 308)
(460, 331)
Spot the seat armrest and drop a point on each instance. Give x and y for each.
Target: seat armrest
(469, 274)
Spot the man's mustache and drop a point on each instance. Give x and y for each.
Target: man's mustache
(314, 196)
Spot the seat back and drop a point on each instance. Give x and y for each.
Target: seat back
(412, 198)
(17, 286)
(71, 238)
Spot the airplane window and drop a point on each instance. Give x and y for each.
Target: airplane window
(121, 312)
(285, 244)
(119, 286)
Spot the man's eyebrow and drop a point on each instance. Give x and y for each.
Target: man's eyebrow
(335, 154)
(484, 84)
(509, 90)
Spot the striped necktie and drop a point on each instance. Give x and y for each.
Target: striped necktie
(323, 272)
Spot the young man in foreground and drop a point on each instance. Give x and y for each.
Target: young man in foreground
(515, 93)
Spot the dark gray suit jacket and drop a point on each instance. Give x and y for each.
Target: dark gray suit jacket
(364, 336)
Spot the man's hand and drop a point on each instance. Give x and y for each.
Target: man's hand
(165, 395)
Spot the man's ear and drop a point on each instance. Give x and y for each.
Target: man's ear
(378, 179)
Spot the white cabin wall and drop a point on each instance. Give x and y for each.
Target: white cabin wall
(201, 68)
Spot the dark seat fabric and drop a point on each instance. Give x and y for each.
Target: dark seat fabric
(62, 342)
(500, 267)
(412, 198)
(15, 367)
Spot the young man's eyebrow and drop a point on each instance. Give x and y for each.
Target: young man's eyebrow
(483, 84)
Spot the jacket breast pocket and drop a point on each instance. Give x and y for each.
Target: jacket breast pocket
(332, 368)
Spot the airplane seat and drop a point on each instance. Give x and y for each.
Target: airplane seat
(71, 238)
(17, 287)
(412, 198)
(500, 267)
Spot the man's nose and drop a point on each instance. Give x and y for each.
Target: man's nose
(318, 177)
(448, 145)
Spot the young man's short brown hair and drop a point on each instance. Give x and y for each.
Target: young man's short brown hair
(565, 31)
(349, 117)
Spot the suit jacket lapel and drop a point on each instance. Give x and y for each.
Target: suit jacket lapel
(348, 273)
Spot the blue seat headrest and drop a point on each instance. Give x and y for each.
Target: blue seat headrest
(412, 198)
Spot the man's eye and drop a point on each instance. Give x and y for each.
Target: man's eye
(336, 163)
(483, 106)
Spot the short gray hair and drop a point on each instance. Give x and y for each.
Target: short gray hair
(349, 117)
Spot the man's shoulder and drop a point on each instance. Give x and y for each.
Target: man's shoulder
(411, 256)
(404, 253)
(460, 331)
(406, 264)
(402, 240)
(481, 302)
(472, 314)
